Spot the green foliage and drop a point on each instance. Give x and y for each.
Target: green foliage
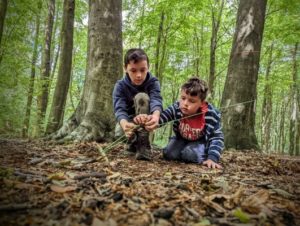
(184, 50)
(282, 29)
(16, 50)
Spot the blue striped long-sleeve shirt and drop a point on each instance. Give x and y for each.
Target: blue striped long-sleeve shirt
(212, 132)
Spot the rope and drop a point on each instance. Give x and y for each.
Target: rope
(123, 138)
(119, 140)
(200, 113)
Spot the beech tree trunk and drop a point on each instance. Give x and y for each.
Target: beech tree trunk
(94, 118)
(56, 45)
(267, 107)
(158, 46)
(241, 80)
(32, 74)
(45, 70)
(216, 20)
(275, 135)
(142, 24)
(64, 71)
(196, 52)
(282, 134)
(294, 118)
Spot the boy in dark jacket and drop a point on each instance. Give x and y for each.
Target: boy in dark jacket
(137, 93)
(197, 127)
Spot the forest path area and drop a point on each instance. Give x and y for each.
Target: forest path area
(46, 184)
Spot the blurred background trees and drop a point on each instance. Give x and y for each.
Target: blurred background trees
(182, 38)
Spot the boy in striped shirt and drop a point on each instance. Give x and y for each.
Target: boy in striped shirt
(197, 127)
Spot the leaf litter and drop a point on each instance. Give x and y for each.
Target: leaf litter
(47, 184)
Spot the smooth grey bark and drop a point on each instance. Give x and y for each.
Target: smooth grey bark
(158, 45)
(45, 70)
(196, 52)
(142, 24)
(294, 118)
(282, 134)
(267, 106)
(94, 118)
(32, 74)
(241, 80)
(64, 71)
(55, 46)
(275, 134)
(216, 21)
(55, 60)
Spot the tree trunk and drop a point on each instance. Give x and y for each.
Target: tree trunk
(202, 68)
(196, 53)
(294, 108)
(142, 24)
(32, 75)
(267, 106)
(55, 46)
(241, 80)
(216, 20)
(56, 56)
(71, 83)
(45, 70)
(94, 118)
(275, 137)
(282, 125)
(64, 71)
(161, 65)
(3, 9)
(157, 52)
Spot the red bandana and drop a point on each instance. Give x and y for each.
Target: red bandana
(192, 128)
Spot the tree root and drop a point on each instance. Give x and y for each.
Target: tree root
(87, 130)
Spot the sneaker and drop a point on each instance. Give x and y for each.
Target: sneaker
(143, 147)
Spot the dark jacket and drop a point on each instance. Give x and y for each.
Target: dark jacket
(213, 135)
(124, 92)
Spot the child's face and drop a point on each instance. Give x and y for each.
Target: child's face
(188, 104)
(137, 71)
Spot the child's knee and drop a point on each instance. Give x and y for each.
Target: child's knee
(189, 155)
(169, 155)
(194, 155)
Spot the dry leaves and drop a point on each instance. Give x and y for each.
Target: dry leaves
(75, 185)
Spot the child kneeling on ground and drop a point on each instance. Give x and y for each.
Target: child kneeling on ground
(197, 127)
(138, 92)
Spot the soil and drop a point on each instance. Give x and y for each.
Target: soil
(78, 184)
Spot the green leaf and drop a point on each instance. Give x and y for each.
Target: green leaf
(203, 222)
(242, 216)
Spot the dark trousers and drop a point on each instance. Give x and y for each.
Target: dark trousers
(184, 150)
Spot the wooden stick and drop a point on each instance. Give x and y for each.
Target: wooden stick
(87, 175)
(15, 206)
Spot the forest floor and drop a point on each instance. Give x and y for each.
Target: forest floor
(47, 184)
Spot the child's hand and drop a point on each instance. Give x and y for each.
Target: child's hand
(152, 122)
(128, 128)
(211, 164)
(140, 119)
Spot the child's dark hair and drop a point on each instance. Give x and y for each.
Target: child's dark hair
(136, 55)
(196, 87)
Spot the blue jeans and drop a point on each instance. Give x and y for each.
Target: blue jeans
(184, 150)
